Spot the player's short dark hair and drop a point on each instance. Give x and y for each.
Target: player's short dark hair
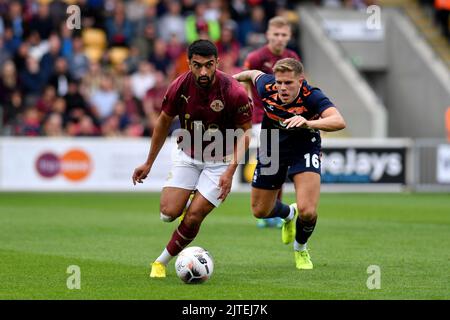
(288, 64)
(204, 48)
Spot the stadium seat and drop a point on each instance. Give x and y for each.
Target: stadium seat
(94, 54)
(93, 37)
(118, 54)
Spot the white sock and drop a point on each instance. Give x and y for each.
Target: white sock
(165, 257)
(291, 214)
(299, 247)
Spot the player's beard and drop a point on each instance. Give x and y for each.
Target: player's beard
(207, 83)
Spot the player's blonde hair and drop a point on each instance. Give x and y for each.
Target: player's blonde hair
(288, 64)
(279, 22)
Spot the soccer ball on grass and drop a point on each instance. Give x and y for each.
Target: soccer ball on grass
(194, 265)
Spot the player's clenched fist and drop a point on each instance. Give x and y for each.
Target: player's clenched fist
(141, 173)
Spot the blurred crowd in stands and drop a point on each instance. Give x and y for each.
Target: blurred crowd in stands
(109, 76)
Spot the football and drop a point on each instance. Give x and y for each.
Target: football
(194, 265)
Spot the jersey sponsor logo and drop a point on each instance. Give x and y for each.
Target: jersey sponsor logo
(245, 109)
(217, 105)
(267, 64)
(297, 110)
(185, 98)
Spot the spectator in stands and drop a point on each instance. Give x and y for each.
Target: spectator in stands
(252, 30)
(149, 17)
(48, 61)
(20, 56)
(5, 54)
(74, 101)
(146, 42)
(91, 81)
(172, 23)
(42, 22)
(118, 28)
(9, 81)
(32, 79)
(53, 125)
(61, 77)
(143, 79)
(120, 112)
(104, 98)
(15, 23)
(131, 62)
(12, 111)
(159, 57)
(60, 107)
(228, 45)
(197, 24)
(82, 127)
(135, 11)
(67, 37)
(38, 47)
(175, 48)
(133, 105)
(110, 126)
(239, 11)
(29, 125)
(45, 103)
(78, 61)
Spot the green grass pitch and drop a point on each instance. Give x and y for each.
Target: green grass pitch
(113, 237)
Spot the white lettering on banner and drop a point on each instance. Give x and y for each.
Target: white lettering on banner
(371, 164)
(443, 163)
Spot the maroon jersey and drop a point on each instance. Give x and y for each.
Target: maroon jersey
(263, 60)
(224, 105)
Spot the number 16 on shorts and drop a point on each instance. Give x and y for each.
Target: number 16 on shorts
(312, 159)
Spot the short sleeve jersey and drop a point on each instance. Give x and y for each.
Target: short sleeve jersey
(263, 60)
(224, 105)
(309, 103)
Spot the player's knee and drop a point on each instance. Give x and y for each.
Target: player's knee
(165, 217)
(259, 211)
(167, 213)
(307, 212)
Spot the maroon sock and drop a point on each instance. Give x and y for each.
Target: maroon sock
(181, 237)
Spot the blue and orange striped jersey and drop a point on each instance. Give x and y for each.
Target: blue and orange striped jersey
(310, 103)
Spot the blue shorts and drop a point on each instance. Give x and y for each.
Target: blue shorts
(271, 176)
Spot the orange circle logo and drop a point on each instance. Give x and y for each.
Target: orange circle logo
(75, 165)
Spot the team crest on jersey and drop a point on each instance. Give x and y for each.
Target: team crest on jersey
(217, 105)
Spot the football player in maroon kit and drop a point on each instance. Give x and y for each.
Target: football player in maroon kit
(263, 59)
(208, 102)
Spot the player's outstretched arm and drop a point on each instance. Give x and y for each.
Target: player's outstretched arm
(247, 75)
(160, 133)
(330, 120)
